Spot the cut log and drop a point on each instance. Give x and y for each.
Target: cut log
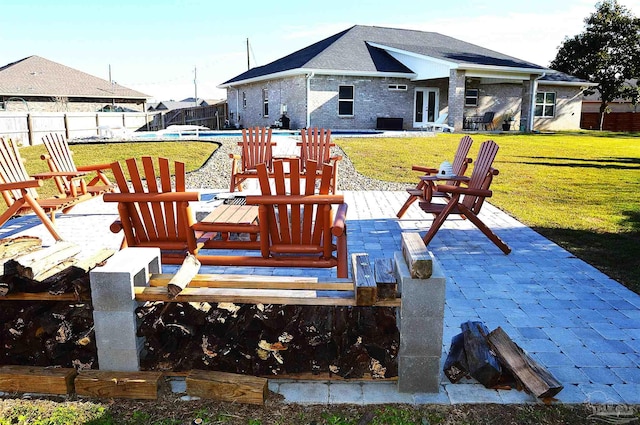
(227, 387)
(31, 379)
(40, 265)
(364, 284)
(416, 255)
(15, 247)
(483, 365)
(385, 279)
(106, 384)
(187, 271)
(67, 280)
(534, 377)
(455, 366)
(5, 288)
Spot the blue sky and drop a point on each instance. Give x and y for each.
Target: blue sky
(155, 46)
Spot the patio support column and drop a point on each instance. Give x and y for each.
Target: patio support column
(528, 97)
(456, 98)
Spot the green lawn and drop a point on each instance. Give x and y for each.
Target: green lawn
(581, 190)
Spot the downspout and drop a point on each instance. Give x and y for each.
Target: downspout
(309, 77)
(532, 109)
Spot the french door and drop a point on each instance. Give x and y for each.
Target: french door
(425, 108)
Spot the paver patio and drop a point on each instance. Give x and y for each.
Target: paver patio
(580, 324)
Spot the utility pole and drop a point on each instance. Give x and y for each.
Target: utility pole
(195, 83)
(248, 64)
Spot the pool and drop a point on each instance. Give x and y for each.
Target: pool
(208, 134)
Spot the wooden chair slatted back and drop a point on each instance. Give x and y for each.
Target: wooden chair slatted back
(460, 160)
(60, 159)
(12, 170)
(482, 174)
(316, 145)
(152, 221)
(256, 147)
(298, 224)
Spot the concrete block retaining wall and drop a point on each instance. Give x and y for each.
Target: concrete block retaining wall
(420, 317)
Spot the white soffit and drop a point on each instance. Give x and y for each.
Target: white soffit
(424, 67)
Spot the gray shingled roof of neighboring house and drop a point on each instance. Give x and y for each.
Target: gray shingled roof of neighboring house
(37, 76)
(356, 49)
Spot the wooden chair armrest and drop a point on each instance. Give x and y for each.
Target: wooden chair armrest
(339, 221)
(447, 188)
(152, 197)
(94, 167)
(294, 199)
(51, 174)
(21, 185)
(426, 170)
(235, 156)
(437, 177)
(335, 158)
(116, 226)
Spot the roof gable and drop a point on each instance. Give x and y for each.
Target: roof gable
(37, 76)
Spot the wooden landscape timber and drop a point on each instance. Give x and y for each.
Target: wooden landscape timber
(41, 380)
(227, 387)
(417, 256)
(107, 384)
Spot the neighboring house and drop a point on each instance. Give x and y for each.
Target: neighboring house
(621, 115)
(370, 77)
(37, 84)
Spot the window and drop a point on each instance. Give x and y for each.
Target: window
(471, 97)
(265, 102)
(397, 87)
(345, 100)
(244, 100)
(545, 104)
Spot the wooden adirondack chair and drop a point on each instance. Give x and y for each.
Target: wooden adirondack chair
(256, 149)
(19, 191)
(473, 196)
(316, 146)
(460, 164)
(155, 215)
(60, 159)
(299, 229)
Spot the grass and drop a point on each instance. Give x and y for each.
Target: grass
(193, 154)
(581, 190)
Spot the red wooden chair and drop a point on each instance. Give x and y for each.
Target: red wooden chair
(316, 146)
(459, 166)
(256, 149)
(19, 191)
(60, 160)
(466, 201)
(153, 215)
(298, 227)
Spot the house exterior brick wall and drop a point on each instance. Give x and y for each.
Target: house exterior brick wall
(568, 109)
(372, 99)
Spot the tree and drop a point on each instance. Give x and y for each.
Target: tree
(606, 53)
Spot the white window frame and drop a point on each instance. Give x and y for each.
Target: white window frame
(347, 100)
(545, 104)
(265, 102)
(470, 99)
(397, 87)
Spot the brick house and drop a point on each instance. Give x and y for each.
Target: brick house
(38, 84)
(369, 77)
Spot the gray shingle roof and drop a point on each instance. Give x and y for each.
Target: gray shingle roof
(36, 76)
(355, 49)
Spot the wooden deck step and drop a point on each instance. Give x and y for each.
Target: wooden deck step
(33, 379)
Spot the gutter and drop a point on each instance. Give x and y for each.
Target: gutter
(532, 107)
(309, 76)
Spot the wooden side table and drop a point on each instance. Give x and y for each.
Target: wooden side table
(226, 219)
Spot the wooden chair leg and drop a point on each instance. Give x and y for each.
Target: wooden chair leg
(484, 229)
(407, 204)
(37, 209)
(439, 220)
